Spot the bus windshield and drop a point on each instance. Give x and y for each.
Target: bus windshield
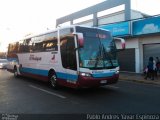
(99, 51)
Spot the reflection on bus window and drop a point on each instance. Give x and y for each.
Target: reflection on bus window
(68, 53)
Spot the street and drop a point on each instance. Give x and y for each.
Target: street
(28, 96)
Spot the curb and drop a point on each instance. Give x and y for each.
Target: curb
(141, 81)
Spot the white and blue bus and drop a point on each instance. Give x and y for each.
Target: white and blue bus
(74, 56)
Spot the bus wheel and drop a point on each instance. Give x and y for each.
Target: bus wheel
(15, 72)
(53, 80)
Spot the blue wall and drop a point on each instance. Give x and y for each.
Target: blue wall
(118, 29)
(140, 27)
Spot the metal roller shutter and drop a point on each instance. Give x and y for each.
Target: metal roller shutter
(127, 60)
(150, 50)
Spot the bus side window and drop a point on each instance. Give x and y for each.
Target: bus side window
(63, 46)
(50, 45)
(71, 53)
(68, 53)
(38, 47)
(12, 50)
(50, 42)
(26, 45)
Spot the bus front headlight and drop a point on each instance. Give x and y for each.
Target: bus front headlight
(85, 74)
(117, 72)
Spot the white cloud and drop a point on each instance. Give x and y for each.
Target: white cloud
(150, 28)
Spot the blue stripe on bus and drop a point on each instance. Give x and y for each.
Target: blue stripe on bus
(63, 75)
(34, 71)
(67, 76)
(45, 73)
(100, 75)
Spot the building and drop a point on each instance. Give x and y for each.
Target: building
(142, 41)
(141, 32)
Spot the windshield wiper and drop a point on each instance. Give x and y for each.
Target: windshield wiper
(98, 57)
(103, 51)
(106, 54)
(103, 54)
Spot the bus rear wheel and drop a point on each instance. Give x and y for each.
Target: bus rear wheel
(53, 80)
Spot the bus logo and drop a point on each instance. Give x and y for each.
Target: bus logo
(53, 58)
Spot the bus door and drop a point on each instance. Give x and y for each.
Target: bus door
(68, 56)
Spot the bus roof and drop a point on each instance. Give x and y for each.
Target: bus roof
(56, 29)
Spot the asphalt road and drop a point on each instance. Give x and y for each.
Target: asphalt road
(28, 96)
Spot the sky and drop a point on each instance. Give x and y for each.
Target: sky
(21, 17)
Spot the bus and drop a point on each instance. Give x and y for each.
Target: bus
(74, 56)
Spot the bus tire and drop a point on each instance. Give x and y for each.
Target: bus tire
(15, 72)
(53, 80)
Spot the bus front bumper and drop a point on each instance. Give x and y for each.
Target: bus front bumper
(84, 81)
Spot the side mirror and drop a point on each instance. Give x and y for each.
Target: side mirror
(123, 43)
(80, 39)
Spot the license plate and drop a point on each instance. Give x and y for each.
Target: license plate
(103, 81)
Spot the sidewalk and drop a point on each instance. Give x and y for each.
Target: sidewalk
(138, 78)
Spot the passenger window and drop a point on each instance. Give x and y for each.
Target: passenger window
(68, 52)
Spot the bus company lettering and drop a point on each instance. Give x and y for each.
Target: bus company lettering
(32, 57)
